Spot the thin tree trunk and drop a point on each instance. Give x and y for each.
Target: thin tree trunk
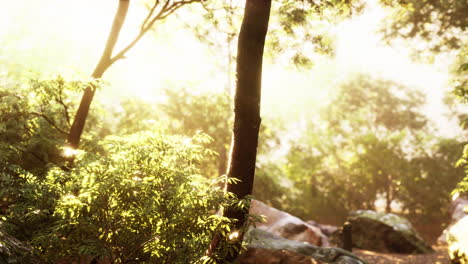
(165, 9)
(389, 194)
(247, 107)
(222, 161)
(104, 63)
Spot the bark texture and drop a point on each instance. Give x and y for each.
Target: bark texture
(247, 105)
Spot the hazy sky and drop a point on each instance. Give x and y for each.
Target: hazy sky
(69, 36)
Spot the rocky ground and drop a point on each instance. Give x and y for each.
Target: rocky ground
(438, 257)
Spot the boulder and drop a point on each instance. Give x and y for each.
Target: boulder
(267, 248)
(458, 209)
(457, 239)
(386, 233)
(286, 225)
(327, 230)
(457, 212)
(273, 256)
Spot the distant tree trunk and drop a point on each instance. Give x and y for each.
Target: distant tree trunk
(247, 106)
(222, 160)
(104, 63)
(389, 194)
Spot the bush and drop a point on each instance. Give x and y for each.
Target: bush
(144, 201)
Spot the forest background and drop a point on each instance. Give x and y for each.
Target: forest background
(358, 112)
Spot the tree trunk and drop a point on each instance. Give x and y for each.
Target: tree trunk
(247, 107)
(104, 63)
(389, 194)
(222, 160)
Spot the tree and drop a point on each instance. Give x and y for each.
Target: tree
(441, 23)
(357, 149)
(247, 101)
(209, 112)
(35, 120)
(374, 119)
(246, 119)
(158, 11)
(431, 176)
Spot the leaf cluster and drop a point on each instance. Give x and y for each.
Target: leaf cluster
(138, 197)
(143, 201)
(441, 23)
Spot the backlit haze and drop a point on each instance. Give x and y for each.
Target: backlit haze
(69, 36)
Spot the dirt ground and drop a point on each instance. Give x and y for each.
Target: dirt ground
(440, 256)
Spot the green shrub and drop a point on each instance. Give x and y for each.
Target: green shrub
(144, 201)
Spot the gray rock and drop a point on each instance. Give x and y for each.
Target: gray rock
(457, 238)
(327, 230)
(286, 250)
(458, 209)
(457, 212)
(387, 233)
(273, 256)
(286, 225)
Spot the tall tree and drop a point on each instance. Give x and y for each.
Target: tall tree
(246, 115)
(247, 102)
(158, 11)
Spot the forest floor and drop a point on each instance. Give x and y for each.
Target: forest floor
(440, 256)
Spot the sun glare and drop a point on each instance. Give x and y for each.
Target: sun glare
(360, 48)
(73, 35)
(69, 152)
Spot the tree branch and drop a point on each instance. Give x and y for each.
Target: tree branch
(176, 6)
(65, 107)
(165, 11)
(107, 60)
(51, 122)
(150, 14)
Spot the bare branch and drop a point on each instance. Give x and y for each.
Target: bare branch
(65, 107)
(36, 156)
(165, 11)
(161, 12)
(176, 6)
(150, 14)
(51, 122)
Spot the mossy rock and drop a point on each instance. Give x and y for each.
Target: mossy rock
(387, 233)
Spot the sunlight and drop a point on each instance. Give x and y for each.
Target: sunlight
(234, 235)
(69, 152)
(73, 35)
(361, 49)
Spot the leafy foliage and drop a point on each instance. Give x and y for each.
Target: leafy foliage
(369, 144)
(143, 201)
(461, 91)
(208, 112)
(35, 121)
(430, 178)
(462, 186)
(441, 23)
(137, 197)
